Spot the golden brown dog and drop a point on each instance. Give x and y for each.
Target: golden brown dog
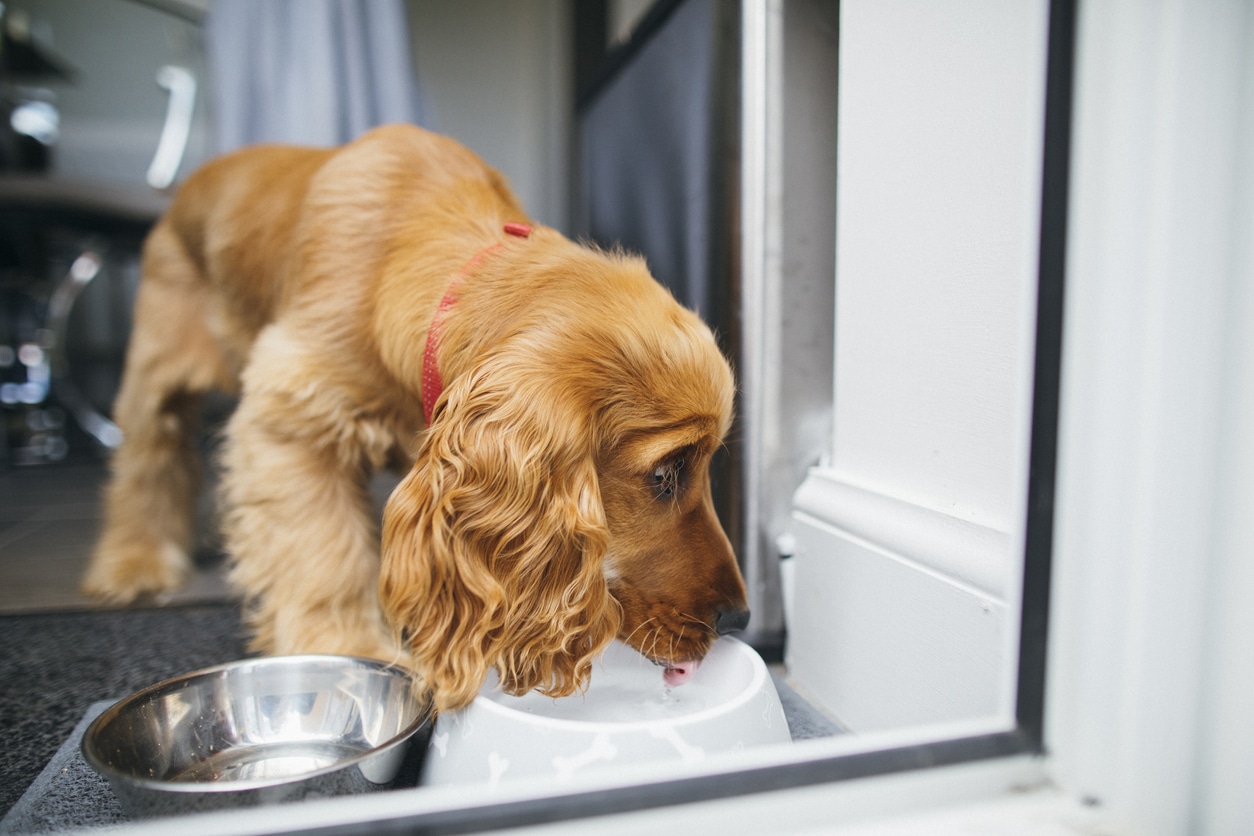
(559, 496)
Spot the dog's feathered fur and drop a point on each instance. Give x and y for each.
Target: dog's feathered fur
(560, 496)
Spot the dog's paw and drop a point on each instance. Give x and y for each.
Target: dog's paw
(118, 576)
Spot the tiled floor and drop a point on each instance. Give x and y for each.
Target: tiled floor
(49, 518)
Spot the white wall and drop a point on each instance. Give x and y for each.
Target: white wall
(939, 165)
(1151, 664)
(909, 554)
(497, 74)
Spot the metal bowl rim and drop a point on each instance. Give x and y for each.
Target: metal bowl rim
(110, 713)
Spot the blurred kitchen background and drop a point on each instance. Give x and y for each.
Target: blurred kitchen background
(614, 120)
(108, 104)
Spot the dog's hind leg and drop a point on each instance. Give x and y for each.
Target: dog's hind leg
(297, 518)
(172, 361)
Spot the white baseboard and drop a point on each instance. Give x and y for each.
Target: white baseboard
(899, 613)
(959, 549)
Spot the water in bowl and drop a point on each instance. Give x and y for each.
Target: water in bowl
(621, 692)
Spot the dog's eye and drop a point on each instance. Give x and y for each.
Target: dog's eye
(666, 477)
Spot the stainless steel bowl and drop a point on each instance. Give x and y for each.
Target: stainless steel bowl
(256, 731)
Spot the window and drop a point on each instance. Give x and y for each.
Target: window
(1003, 715)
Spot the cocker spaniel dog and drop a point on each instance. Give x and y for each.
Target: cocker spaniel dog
(389, 303)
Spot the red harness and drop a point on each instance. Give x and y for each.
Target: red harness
(432, 382)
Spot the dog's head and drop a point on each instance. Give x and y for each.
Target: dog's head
(561, 496)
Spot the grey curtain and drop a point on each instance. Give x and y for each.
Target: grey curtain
(311, 72)
(645, 145)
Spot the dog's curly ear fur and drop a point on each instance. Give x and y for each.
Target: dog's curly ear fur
(493, 544)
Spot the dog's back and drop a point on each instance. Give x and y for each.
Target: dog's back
(560, 493)
(262, 234)
(262, 224)
(236, 220)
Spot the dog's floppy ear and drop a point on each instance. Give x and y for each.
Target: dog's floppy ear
(493, 544)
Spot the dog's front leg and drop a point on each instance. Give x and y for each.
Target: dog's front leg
(297, 518)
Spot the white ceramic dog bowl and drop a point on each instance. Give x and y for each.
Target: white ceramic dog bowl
(627, 715)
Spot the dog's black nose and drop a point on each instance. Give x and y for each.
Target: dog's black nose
(731, 621)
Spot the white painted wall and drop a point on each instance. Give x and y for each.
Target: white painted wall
(497, 74)
(1151, 664)
(940, 127)
(909, 553)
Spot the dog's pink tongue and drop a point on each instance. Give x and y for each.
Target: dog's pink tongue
(679, 674)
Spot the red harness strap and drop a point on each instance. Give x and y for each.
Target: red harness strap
(432, 382)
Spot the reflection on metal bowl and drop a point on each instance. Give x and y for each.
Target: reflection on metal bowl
(256, 731)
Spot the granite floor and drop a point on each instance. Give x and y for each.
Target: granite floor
(55, 666)
(61, 652)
